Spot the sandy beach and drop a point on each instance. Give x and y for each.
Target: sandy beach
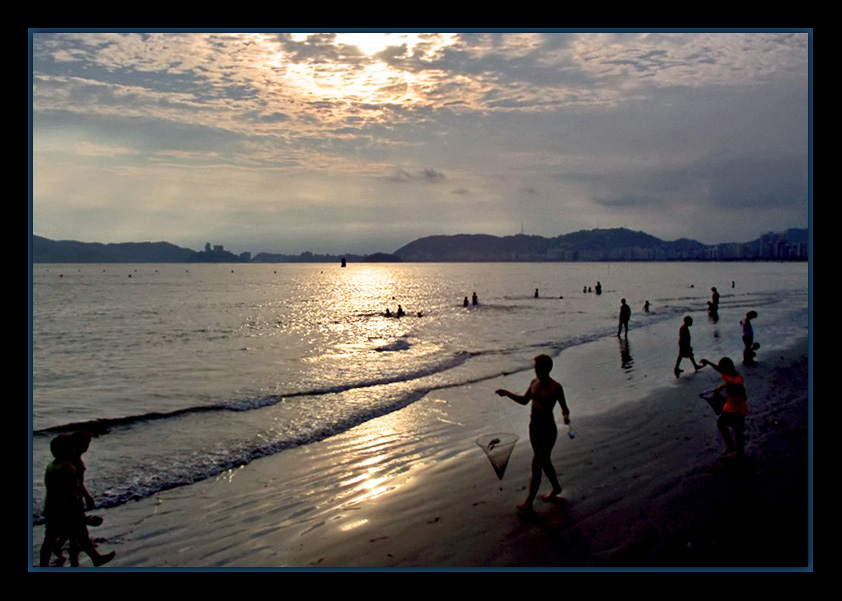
(644, 487)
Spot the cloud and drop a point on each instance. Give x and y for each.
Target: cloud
(628, 201)
(426, 175)
(757, 182)
(583, 128)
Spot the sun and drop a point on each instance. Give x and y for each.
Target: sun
(369, 43)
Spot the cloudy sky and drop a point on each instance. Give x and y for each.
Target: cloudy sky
(362, 142)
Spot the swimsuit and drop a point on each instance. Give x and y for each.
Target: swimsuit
(542, 431)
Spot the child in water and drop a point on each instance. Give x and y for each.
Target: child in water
(733, 416)
(543, 392)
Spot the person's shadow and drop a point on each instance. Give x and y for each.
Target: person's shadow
(626, 360)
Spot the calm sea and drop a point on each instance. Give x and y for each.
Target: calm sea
(184, 371)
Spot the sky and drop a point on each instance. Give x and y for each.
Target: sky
(361, 142)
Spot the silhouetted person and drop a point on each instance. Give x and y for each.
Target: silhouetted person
(685, 351)
(714, 299)
(474, 299)
(63, 505)
(625, 315)
(750, 346)
(646, 307)
(400, 312)
(733, 416)
(713, 312)
(388, 313)
(465, 302)
(81, 441)
(536, 293)
(598, 288)
(543, 392)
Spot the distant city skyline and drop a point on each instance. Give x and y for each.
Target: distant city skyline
(362, 142)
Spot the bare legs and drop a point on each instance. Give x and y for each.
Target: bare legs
(81, 542)
(540, 464)
(734, 445)
(678, 371)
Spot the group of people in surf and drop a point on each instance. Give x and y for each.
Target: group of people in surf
(597, 289)
(398, 313)
(474, 300)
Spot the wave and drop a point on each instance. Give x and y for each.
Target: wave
(102, 426)
(142, 480)
(398, 345)
(180, 467)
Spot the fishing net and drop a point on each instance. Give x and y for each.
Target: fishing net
(715, 399)
(498, 449)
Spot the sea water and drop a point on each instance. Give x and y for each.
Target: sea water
(185, 371)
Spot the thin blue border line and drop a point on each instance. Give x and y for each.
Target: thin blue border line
(810, 300)
(29, 293)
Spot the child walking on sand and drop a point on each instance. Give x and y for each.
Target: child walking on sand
(63, 505)
(81, 441)
(684, 348)
(544, 392)
(733, 416)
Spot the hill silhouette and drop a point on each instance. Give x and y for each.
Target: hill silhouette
(616, 244)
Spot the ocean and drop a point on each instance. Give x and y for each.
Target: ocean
(186, 371)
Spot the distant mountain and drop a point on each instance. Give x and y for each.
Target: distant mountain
(71, 251)
(797, 236)
(618, 244)
(593, 245)
(474, 247)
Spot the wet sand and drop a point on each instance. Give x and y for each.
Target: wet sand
(644, 487)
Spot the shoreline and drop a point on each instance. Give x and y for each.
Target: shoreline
(644, 487)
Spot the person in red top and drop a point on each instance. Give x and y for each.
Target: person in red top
(733, 416)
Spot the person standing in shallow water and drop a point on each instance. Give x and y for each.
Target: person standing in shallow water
(625, 315)
(543, 393)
